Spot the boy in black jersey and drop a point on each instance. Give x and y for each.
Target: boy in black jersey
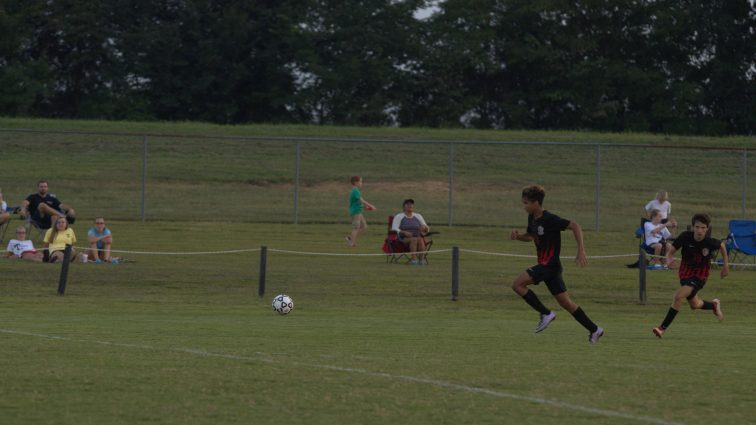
(544, 228)
(697, 251)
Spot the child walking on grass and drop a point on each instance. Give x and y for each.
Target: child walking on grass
(356, 206)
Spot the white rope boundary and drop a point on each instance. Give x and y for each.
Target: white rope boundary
(336, 254)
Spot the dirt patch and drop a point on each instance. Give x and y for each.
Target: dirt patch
(427, 186)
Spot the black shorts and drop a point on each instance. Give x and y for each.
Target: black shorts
(52, 260)
(696, 284)
(551, 275)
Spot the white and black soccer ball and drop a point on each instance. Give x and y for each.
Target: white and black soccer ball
(283, 304)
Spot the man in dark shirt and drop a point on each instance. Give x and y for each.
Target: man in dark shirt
(697, 251)
(43, 206)
(544, 228)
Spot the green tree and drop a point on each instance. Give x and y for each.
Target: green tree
(218, 61)
(358, 61)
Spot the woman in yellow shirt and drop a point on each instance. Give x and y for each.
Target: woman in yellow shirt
(56, 239)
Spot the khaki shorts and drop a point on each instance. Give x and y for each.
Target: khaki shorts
(358, 221)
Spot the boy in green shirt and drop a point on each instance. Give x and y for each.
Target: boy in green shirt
(356, 205)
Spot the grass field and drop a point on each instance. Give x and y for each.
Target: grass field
(184, 339)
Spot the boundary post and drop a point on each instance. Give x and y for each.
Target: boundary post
(263, 261)
(642, 265)
(455, 273)
(64, 271)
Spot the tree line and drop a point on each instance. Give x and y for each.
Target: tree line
(682, 66)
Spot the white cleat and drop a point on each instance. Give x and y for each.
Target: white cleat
(718, 309)
(594, 336)
(545, 320)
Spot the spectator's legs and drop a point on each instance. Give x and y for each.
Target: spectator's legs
(47, 211)
(4, 217)
(29, 256)
(57, 256)
(413, 248)
(421, 247)
(93, 253)
(105, 252)
(657, 252)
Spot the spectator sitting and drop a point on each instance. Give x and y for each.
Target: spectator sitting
(4, 216)
(100, 239)
(662, 204)
(21, 248)
(57, 238)
(656, 235)
(411, 229)
(43, 206)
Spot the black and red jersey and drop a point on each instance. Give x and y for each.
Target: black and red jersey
(696, 255)
(547, 235)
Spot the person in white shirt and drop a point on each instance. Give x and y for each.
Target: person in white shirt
(661, 203)
(4, 216)
(656, 235)
(21, 248)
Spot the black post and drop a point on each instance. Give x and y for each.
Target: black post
(455, 273)
(263, 260)
(64, 271)
(642, 265)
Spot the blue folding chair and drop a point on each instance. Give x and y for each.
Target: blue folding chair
(741, 241)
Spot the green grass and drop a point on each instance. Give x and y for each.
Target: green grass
(185, 339)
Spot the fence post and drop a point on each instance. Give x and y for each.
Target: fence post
(642, 266)
(64, 270)
(144, 177)
(296, 183)
(263, 261)
(451, 182)
(745, 183)
(455, 273)
(598, 187)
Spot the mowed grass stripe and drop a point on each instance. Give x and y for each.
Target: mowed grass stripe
(266, 358)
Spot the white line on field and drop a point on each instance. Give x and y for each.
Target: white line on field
(262, 357)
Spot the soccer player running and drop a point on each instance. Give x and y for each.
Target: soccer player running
(697, 251)
(544, 228)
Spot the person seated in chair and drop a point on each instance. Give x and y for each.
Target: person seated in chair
(43, 206)
(4, 216)
(411, 229)
(656, 235)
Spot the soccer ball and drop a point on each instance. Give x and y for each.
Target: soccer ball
(283, 304)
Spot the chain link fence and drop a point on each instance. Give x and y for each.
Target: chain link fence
(306, 180)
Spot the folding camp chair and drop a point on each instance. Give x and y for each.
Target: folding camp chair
(40, 229)
(395, 249)
(741, 241)
(640, 233)
(4, 227)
